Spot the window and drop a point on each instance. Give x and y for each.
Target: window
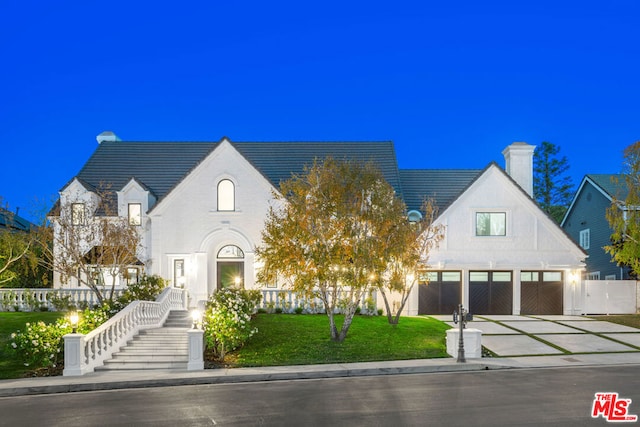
(179, 279)
(593, 275)
(552, 276)
(77, 214)
(135, 214)
(491, 224)
(585, 238)
(230, 251)
(414, 216)
(226, 196)
(133, 275)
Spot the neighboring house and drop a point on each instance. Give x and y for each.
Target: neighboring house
(586, 222)
(11, 221)
(201, 208)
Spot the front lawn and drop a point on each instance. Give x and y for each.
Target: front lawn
(289, 339)
(10, 322)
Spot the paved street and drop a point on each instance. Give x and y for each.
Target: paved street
(559, 396)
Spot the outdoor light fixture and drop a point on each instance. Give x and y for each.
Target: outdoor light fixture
(237, 280)
(196, 316)
(74, 318)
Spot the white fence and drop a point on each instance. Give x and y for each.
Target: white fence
(82, 353)
(288, 301)
(611, 297)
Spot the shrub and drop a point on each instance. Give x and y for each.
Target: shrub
(40, 345)
(146, 289)
(227, 320)
(61, 302)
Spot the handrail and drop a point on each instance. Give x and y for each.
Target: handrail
(83, 353)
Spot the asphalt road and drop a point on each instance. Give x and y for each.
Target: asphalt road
(559, 396)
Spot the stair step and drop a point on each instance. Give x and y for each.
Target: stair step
(109, 366)
(150, 357)
(166, 347)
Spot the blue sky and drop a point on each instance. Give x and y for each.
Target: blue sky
(451, 83)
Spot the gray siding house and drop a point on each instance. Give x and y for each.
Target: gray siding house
(586, 222)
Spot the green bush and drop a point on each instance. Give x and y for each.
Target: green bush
(41, 345)
(227, 320)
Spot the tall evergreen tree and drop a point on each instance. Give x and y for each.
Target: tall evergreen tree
(552, 186)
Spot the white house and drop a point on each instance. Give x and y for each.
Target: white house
(201, 206)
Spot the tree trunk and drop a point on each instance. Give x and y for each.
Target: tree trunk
(386, 305)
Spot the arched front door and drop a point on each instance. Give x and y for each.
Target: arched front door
(230, 267)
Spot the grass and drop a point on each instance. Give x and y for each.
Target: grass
(10, 366)
(289, 339)
(632, 320)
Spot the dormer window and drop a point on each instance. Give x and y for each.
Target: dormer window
(135, 214)
(78, 215)
(226, 196)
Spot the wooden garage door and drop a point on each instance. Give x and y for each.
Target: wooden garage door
(541, 292)
(439, 292)
(490, 292)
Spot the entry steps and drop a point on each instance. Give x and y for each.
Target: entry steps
(166, 347)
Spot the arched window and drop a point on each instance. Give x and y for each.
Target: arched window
(230, 251)
(226, 196)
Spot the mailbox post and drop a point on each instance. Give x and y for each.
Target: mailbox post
(461, 317)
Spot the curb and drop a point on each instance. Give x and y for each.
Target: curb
(220, 378)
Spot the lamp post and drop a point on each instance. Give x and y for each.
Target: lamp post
(74, 319)
(196, 316)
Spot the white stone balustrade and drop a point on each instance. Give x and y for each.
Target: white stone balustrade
(33, 299)
(82, 353)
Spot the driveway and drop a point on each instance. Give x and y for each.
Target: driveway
(509, 336)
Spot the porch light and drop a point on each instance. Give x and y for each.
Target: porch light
(196, 316)
(237, 280)
(74, 318)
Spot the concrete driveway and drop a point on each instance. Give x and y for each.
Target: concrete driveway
(509, 336)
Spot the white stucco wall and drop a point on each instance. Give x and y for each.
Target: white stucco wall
(187, 225)
(532, 242)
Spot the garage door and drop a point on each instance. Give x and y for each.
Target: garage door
(490, 292)
(541, 292)
(439, 292)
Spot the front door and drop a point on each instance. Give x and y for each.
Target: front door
(230, 273)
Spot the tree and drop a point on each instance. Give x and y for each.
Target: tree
(407, 257)
(552, 187)
(15, 245)
(91, 243)
(624, 216)
(329, 233)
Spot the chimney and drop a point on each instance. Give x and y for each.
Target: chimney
(519, 164)
(107, 136)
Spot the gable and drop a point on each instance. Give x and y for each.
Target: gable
(531, 236)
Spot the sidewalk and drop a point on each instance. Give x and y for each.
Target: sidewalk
(607, 344)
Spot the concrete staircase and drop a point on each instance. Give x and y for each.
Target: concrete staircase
(159, 348)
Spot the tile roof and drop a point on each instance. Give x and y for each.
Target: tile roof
(443, 185)
(162, 165)
(9, 219)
